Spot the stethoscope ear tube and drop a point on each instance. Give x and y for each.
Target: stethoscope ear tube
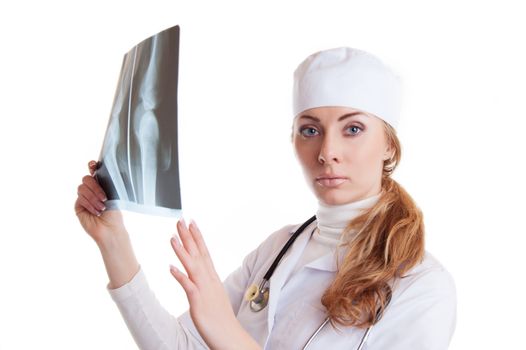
(315, 333)
(360, 346)
(363, 341)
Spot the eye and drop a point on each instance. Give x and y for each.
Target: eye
(354, 129)
(308, 131)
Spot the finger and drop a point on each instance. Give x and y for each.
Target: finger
(186, 238)
(182, 254)
(178, 248)
(192, 264)
(94, 187)
(96, 207)
(189, 288)
(200, 242)
(92, 166)
(198, 238)
(84, 203)
(84, 191)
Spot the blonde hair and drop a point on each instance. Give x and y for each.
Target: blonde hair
(389, 241)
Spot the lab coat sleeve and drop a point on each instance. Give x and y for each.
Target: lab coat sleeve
(423, 316)
(150, 324)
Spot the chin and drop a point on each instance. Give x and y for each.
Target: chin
(334, 198)
(339, 196)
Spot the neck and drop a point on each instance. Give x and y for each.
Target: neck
(332, 219)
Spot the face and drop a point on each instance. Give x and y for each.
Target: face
(341, 151)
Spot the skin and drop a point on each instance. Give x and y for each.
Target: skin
(354, 147)
(345, 142)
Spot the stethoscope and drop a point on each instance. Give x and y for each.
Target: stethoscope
(258, 296)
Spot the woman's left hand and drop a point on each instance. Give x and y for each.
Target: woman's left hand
(210, 306)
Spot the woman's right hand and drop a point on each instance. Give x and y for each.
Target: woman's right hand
(98, 222)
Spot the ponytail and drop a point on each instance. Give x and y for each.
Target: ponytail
(389, 241)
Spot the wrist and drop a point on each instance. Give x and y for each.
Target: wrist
(114, 241)
(248, 342)
(119, 258)
(245, 340)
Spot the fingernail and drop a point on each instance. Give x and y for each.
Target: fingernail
(182, 222)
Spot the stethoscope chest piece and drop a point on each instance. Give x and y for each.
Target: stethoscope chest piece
(257, 296)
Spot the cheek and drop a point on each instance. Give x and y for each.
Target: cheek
(306, 155)
(366, 161)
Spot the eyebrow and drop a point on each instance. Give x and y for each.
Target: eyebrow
(348, 115)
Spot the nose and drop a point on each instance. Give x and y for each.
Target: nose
(329, 151)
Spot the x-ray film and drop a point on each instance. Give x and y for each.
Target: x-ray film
(138, 165)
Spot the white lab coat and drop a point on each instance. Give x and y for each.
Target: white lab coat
(421, 315)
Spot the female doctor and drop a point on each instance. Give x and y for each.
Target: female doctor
(354, 276)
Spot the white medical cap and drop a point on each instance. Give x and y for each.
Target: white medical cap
(347, 77)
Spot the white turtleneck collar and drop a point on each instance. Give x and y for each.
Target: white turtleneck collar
(332, 219)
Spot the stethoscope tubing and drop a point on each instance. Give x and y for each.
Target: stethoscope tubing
(315, 333)
(360, 346)
(286, 247)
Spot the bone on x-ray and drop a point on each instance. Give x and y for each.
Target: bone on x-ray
(138, 165)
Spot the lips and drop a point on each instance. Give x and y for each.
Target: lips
(331, 180)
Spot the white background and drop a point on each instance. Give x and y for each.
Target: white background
(463, 65)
